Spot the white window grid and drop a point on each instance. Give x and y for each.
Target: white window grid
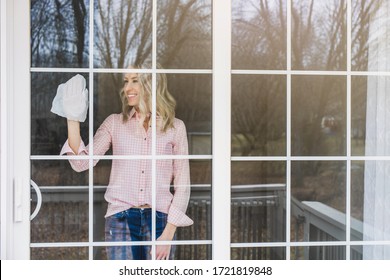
(221, 157)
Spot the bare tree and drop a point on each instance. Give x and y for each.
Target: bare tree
(258, 103)
(362, 11)
(58, 33)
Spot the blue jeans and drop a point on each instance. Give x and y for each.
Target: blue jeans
(133, 224)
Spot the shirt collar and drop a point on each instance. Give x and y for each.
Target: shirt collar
(134, 114)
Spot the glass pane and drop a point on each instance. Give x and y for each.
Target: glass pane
(63, 216)
(181, 252)
(369, 199)
(318, 115)
(318, 200)
(258, 115)
(184, 34)
(258, 202)
(358, 111)
(48, 130)
(60, 253)
(193, 95)
(101, 179)
(370, 252)
(106, 99)
(59, 33)
(357, 200)
(319, 35)
(318, 253)
(370, 114)
(199, 207)
(259, 34)
(266, 253)
(117, 252)
(370, 35)
(123, 33)
(193, 252)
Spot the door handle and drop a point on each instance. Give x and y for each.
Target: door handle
(18, 200)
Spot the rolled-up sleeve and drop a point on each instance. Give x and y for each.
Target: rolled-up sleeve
(102, 142)
(181, 180)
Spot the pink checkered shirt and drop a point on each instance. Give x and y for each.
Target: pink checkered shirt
(130, 182)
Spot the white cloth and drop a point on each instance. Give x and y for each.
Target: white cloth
(71, 100)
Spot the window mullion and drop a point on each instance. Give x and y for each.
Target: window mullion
(221, 129)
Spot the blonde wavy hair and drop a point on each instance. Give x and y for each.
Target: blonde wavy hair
(165, 106)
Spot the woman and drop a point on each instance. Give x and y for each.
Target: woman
(129, 193)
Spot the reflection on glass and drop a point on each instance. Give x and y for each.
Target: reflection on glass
(370, 206)
(358, 112)
(258, 201)
(59, 253)
(318, 253)
(357, 252)
(193, 95)
(48, 130)
(63, 216)
(370, 35)
(123, 33)
(318, 115)
(59, 33)
(318, 201)
(370, 114)
(319, 35)
(258, 115)
(184, 34)
(266, 253)
(259, 34)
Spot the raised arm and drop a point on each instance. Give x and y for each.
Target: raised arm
(74, 138)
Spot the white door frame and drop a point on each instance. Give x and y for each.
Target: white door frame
(15, 129)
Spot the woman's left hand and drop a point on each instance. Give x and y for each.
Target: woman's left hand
(162, 251)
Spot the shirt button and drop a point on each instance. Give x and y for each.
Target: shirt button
(143, 172)
(144, 138)
(141, 190)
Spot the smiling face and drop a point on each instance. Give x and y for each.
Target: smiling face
(132, 89)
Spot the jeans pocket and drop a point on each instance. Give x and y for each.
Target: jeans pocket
(120, 215)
